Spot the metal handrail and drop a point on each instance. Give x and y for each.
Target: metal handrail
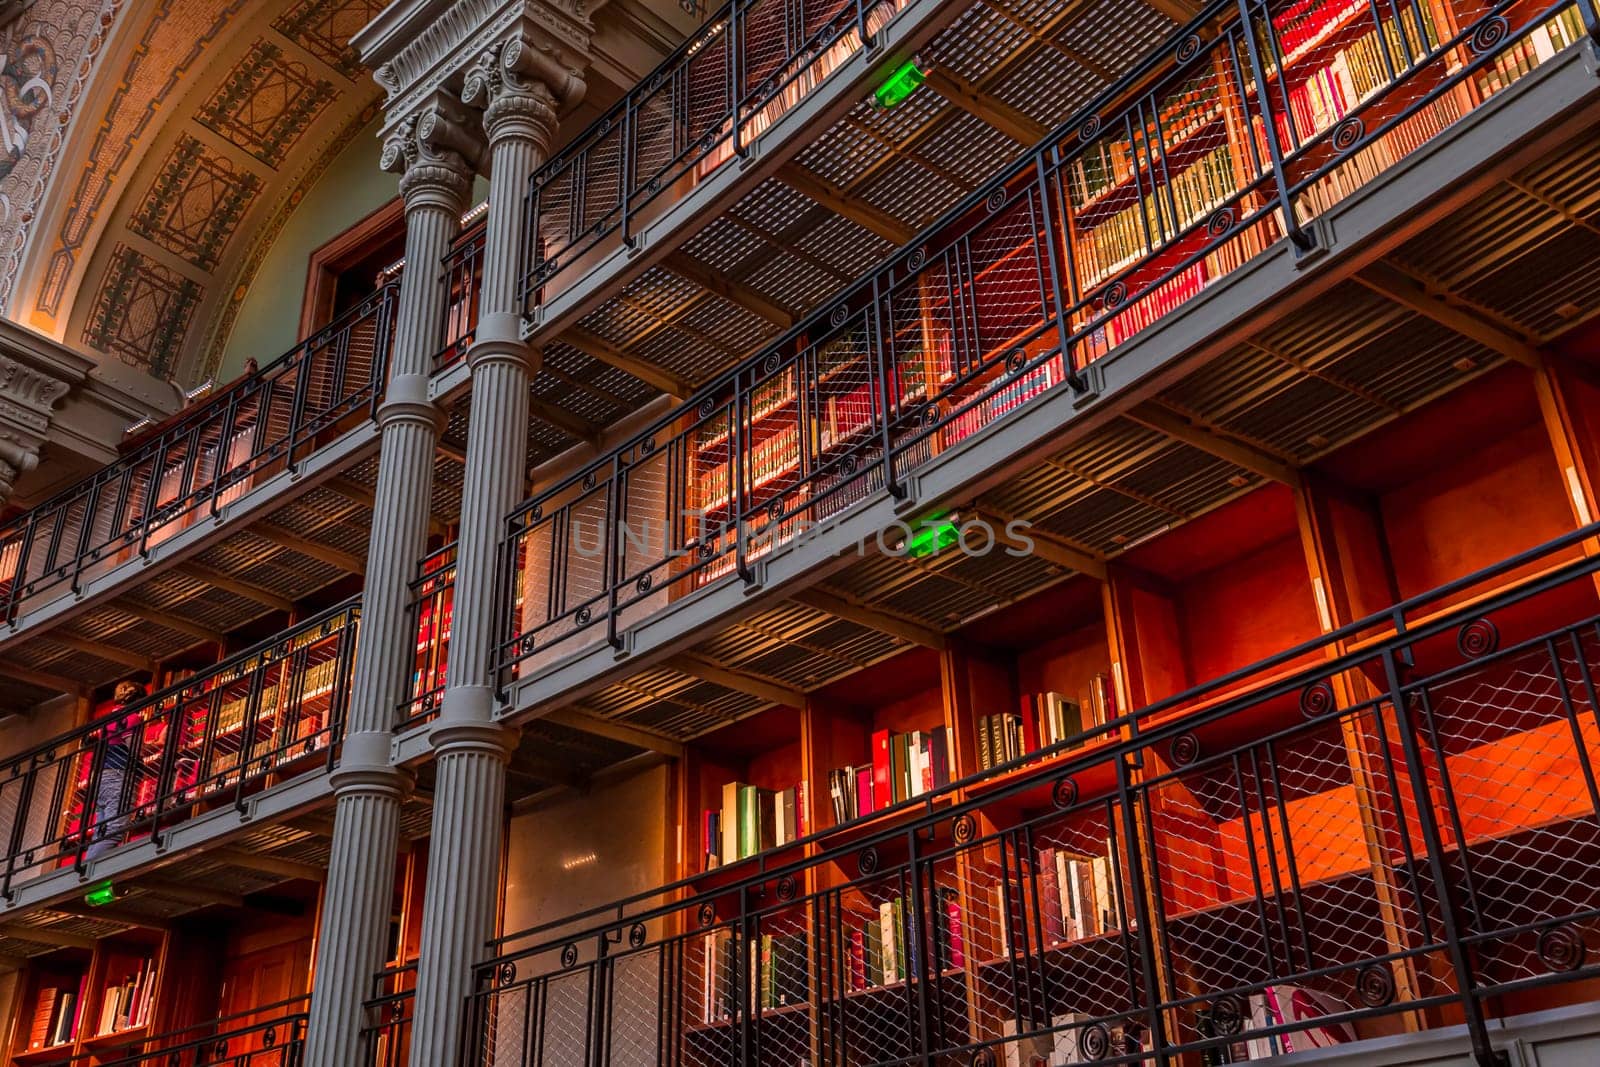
(212, 738)
(271, 420)
(993, 306)
(1446, 673)
(698, 109)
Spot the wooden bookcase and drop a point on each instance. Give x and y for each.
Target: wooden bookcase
(1424, 502)
(91, 1003)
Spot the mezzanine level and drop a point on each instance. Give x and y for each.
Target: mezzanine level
(1218, 356)
(1382, 832)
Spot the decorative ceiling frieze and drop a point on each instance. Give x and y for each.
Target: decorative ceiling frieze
(143, 312)
(266, 103)
(224, 115)
(324, 28)
(196, 203)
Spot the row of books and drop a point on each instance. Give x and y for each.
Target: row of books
(765, 460)
(753, 820)
(1521, 56)
(1046, 719)
(127, 1004)
(1109, 162)
(764, 399)
(55, 1018)
(1015, 393)
(1186, 197)
(1362, 167)
(1077, 896)
(779, 970)
(884, 948)
(904, 765)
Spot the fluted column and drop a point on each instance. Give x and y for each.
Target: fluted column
(436, 180)
(513, 84)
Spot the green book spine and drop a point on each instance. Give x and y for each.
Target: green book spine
(749, 821)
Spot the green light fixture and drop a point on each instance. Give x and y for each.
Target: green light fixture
(899, 85)
(101, 895)
(934, 535)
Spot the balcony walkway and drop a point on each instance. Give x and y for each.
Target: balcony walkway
(1191, 394)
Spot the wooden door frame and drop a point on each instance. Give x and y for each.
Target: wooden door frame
(336, 255)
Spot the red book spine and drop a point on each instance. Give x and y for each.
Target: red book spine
(866, 801)
(858, 960)
(802, 808)
(1048, 886)
(882, 797)
(1032, 738)
(958, 942)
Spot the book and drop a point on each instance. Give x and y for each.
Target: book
(730, 821)
(44, 1015)
(65, 1024)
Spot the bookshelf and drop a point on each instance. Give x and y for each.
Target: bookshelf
(89, 1003)
(739, 787)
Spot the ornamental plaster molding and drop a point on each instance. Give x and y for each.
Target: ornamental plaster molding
(421, 47)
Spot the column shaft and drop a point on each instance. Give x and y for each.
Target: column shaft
(469, 793)
(352, 941)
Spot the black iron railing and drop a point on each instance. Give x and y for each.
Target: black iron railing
(1256, 119)
(211, 456)
(272, 1035)
(463, 274)
(268, 713)
(1393, 826)
(750, 63)
(386, 1030)
(432, 599)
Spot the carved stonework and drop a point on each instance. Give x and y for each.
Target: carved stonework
(435, 151)
(414, 57)
(28, 395)
(520, 88)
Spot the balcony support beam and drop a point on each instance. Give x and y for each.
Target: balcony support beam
(431, 149)
(102, 650)
(814, 187)
(228, 584)
(585, 721)
(293, 542)
(830, 603)
(1187, 430)
(1395, 285)
(985, 107)
(761, 688)
(657, 377)
(747, 297)
(1049, 547)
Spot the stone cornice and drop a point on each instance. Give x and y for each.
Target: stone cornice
(417, 47)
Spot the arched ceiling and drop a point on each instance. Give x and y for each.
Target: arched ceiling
(165, 142)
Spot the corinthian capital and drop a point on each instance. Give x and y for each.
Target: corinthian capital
(435, 152)
(521, 84)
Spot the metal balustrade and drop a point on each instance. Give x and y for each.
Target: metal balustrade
(1391, 826)
(432, 599)
(1208, 152)
(750, 63)
(272, 1035)
(463, 274)
(207, 459)
(386, 1030)
(270, 712)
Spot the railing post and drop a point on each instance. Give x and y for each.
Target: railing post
(881, 361)
(735, 76)
(736, 476)
(614, 540)
(625, 168)
(1482, 1051)
(85, 532)
(1058, 270)
(225, 444)
(19, 579)
(152, 499)
(1591, 19)
(1303, 240)
(297, 405)
(920, 945)
(1139, 910)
